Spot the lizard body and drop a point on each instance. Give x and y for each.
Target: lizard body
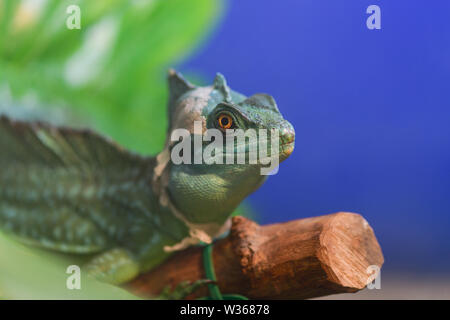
(77, 192)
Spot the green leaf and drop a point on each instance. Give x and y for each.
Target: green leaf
(111, 74)
(30, 273)
(125, 94)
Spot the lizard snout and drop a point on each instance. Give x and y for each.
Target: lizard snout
(287, 139)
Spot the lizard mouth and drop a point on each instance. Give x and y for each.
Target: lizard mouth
(286, 149)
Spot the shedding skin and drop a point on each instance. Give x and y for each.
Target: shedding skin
(77, 192)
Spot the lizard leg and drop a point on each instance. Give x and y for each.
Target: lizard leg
(115, 266)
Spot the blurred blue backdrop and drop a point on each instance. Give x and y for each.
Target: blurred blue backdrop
(371, 110)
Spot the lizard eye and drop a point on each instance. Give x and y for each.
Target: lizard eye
(225, 121)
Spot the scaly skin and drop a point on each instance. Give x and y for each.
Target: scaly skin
(77, 192)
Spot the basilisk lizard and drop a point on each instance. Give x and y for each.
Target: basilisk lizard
(77, 192)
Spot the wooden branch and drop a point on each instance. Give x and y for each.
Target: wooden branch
(294, 260)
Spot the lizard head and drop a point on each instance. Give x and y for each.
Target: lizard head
(218, 107)
(207, 192)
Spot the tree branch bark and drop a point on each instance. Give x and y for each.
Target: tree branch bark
(299, 259)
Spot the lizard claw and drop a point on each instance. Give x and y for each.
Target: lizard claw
(182, 289)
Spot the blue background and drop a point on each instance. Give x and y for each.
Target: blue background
(371, 110)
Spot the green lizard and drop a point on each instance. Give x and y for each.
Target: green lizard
(75, 191)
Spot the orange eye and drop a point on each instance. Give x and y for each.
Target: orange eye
(225, 121)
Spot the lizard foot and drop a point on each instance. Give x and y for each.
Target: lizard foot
(115, 266)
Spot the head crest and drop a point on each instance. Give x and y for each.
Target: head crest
(177, 86)
(220, 84)
(262, 100)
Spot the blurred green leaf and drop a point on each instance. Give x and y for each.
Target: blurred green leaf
(30, 273)
(111, 74)
(112, 71)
